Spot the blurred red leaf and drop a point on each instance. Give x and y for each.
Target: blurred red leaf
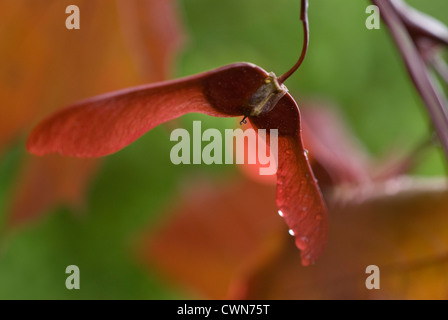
(401, 228)
(218, 232)
(332, 147)
(47, 182)
(46, 66)
(399, 225)
(153, 33)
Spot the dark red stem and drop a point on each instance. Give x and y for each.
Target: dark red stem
(304, 18)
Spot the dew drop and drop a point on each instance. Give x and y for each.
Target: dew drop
(291, 232)
(280, 213)
(305, 153)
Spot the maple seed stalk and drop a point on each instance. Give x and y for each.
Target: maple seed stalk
(273, 89)
(306, 33)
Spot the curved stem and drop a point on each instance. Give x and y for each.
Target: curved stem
(306, 33)
(441, 67)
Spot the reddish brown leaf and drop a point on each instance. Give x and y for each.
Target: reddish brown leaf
(153, 33)
(401, 226)
(46, 66)
(47, 182)
(219, 233)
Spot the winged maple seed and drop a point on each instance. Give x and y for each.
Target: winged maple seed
(107, 123)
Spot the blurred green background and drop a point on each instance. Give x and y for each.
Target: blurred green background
(357, 69)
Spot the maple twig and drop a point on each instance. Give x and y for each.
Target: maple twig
(306, 33)
(441, 67)
(409, 161)
(434, 99)
(393, 189)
